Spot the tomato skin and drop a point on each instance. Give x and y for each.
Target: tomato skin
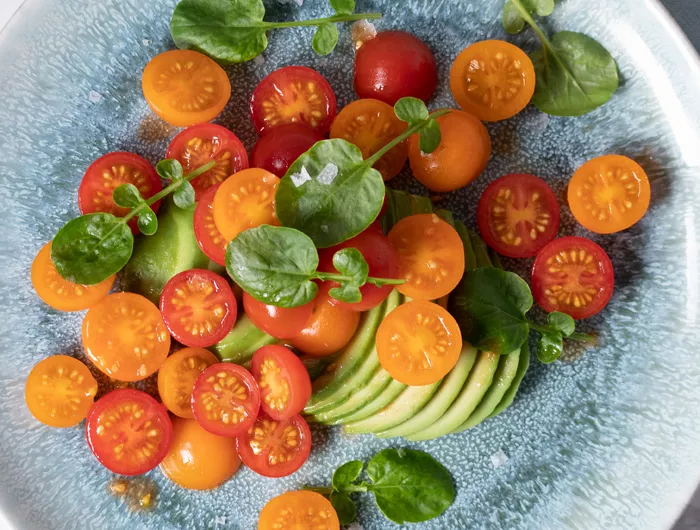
(137, 440)
(293, 507)
(285, 90)
(393, 65)
(255, 445)
(462, 155)
(199, 144)
(209, 239)
(280, 322)
(528, 199)
(282, 145)
(177, 376)
(589, 283)
(383, 261)
(197, 459)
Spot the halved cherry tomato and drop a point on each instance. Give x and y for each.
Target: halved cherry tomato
(393, 65)
(609, 194)
(226, 399)
(282, 145)
(197, 145)
(198, 307)
(293, 94)
(418, 343)
(431, 256)
(285, 385)
(246, 200)
(462, 155)
(60, 391)
(62, 294)
(370, 124)
(274, 448)
(518, 215)
(128, 431)
(209, 239)
(177, 376)
(280, 322)
(110, 171)
(573, 275)
(380, 255)
(125, 336)
(330, 328)
(184, 87)
(198, 459)
(492, 79)
(302, 510)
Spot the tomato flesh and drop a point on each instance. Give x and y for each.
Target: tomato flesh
(177, 376)
(209, 239)
(128, 431)
(280, 322)
(573, 275)
(282, 145)
(302, 510)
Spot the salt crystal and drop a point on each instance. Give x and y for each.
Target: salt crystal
(146, 42)
(259, 61)
(499, 458)
(327, 174)
(94, 97)
(362, 31)
(220, 520)
(300, 178)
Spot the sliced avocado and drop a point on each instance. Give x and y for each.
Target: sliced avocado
(473, 391)
(157, 258)
(449, 389)
(389, 394)
(502, 379)
(523, 364)
(241, 342)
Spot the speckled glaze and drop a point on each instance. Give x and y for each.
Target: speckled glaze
(605, 440)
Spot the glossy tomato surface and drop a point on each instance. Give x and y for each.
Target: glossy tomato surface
(280, 322)
(282, 145)
(299, 510)
(210, 240)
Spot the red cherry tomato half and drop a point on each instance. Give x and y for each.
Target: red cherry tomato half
(110, 171)
(393, 65)
(128, 431)
(225, 399)
(197, 145)
(198, 307)
(281, 146)
(573, 275)
(280, 322)
(285, 385)
(293, 94)
(383, 261)
(518, 215)
(274, 448)
(209, 239)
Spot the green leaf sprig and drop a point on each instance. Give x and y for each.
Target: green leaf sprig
(233, 31)
(91, 248)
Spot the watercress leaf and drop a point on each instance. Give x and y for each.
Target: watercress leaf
(344, 506)
(575, 75)
(184, 196)
(90, 248)
(325, 38)
(351, 263)
(127, 196)
(343, 7)
(429, 137)
(561, 322)
(170, 169)
(347, 474)
(512, 18)
(148, 222)
(514, 11)
(330, 193)
(274, 265)
(409, 486)
(348, 293)
(228, 31)
(550, 347)
(411, 110)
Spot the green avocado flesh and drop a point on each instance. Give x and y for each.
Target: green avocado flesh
(242, 342)
(509, 396)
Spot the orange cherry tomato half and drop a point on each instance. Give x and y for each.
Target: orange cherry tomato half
(418, 343)
(285, 385)
(125, 336)
(293, 94)
(370, 124)
(609, 194)
(184, 87)
(573, 275)
(462, 155)
(198, 307)
(302, 510)
(177, 376)
(280, 322)
(246, 200)
(274, 448)
(128, 431)
(518, 215)
(198, 459)
(199, 144)
(431, 256)
(110, 171)
(60, 391)
(62, 294)
(226, 399)
(493, 80)
(330, 328)
(209, 239)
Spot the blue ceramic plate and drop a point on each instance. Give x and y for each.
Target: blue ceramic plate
(607, 440)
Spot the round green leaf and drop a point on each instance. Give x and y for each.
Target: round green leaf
(184, 195)
(325, 38)
(344, 506)
(561, 322)
(169, 169)
(411, 110)
(343, 7)
(429, 137)
(127, 196)
(550, 347)
(147, 222)
(347, 474)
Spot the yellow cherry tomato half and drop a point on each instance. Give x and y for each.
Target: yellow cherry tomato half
(177, 376)
(299, 510)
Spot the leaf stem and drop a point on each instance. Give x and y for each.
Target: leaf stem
(352, 488)
(332, 276)
(531, 22)
(319, 21)
(537, 327)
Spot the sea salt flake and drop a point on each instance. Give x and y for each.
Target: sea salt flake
(499, 459)
(94, 97)
(327, 174)
(300, 178)
(145, 42)
(259, 61)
